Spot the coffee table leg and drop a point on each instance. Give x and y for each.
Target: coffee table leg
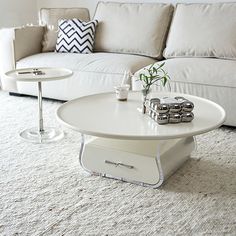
(82, 146)
(81, 150)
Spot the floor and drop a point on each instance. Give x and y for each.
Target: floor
(44, 191)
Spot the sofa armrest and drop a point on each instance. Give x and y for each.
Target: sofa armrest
(15, 44)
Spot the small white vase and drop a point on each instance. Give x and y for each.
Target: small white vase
(145, 98)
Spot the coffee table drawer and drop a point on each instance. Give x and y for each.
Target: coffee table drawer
(109, 159)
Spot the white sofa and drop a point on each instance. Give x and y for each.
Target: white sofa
(196, 42)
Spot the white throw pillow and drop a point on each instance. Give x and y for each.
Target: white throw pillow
(203, 30)
(76, 36)
(133, 28)
(50, 16)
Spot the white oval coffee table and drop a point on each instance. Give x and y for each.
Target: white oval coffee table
(39, 75)
(129, 145)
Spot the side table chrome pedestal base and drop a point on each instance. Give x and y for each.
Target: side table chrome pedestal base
(47, 136)
(41, 134)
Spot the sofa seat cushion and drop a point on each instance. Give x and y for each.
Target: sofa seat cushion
(133, 28)
(204, 71)
(108, 63)
(93, 73)
(203, 30)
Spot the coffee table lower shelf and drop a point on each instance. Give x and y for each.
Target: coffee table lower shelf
(145, 162)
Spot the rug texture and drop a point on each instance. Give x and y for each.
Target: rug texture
(44, 191)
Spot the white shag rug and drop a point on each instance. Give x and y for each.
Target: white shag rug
(44, 191)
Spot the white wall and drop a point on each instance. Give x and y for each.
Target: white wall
(91, 4)
(17, 12)
(21, 12)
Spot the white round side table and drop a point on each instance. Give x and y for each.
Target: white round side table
(40, 134)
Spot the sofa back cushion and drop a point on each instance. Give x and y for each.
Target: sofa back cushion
(203, 30)
(50, 16)
(132, 28)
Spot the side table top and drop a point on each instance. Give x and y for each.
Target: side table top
(48, 73)
(103, 115)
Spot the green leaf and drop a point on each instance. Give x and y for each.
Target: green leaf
(153, 74)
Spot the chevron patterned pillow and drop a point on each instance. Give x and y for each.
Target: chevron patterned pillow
(76, 36)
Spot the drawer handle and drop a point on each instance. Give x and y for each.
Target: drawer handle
(119, 164)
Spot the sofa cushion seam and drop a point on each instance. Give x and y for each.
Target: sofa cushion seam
(209, 85)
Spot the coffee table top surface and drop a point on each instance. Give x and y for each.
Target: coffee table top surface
(50, 73)
(102, 115)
